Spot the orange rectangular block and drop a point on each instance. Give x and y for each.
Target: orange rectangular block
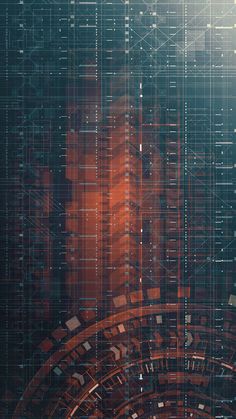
(153, 293)
(136, 296)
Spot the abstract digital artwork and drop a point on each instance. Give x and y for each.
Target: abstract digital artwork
(118, 229)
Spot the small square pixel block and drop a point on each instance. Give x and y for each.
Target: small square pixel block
(59, 333)
(153, 293)
(73, 323)
(119, 301)
(136, 296)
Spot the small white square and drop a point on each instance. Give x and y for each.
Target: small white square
(87, 346)
(160, 404)
(201, 406)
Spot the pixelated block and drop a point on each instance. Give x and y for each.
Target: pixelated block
(46, 345)
(153, 293)
(120, 301)
(121, 328)
(136, 296)
(87, 346)
(123, 349)
(116, 352)
(232, 300)
(73, 323)
(57, 371)
(79, 378)
(59, 333)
